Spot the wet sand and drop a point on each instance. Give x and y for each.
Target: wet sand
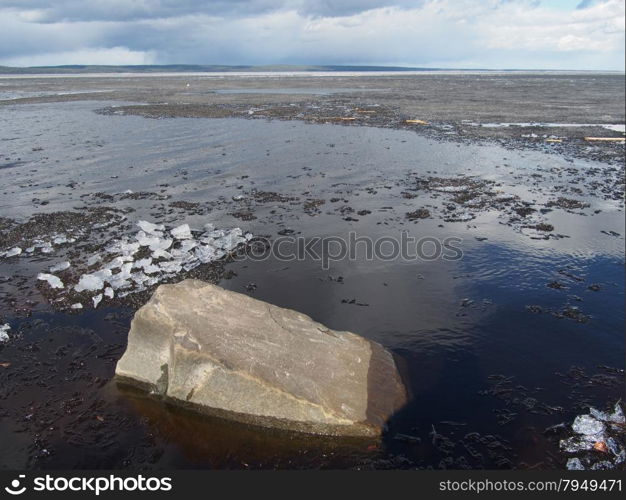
(531, 319)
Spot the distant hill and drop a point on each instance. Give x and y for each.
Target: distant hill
(189, 68)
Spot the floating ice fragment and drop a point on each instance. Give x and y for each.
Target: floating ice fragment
(90, 282)
(587, 425)
(161, 254)
(170, 267)
(77, 305)
(182, 232)
(205, 253)
(93, 259)
(59, 240)
(150, 228)
(46, 248)
(13, 252)
(4, 336)
(96, 300)
(188, 245)
(580, 443)
(616, 417)
(108, 292)
(30, 249)
(61, 266)
(575, 464)
(52, 280)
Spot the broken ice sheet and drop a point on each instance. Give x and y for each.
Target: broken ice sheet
(182, 232)
(13, 252)
(92, 282)
(4, 335)
(587, 425)
(616, 417)
(96, 300)
(575, 464)
(150, 228)
(61, 266)
(53, 281)
(580, 443)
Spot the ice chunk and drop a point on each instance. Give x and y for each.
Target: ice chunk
(188, 266)
(53, 281)
(118, 262)
(90, 282)
(188, 245)
(150, 228)
(77, 305)
(96, 300)
(4, 335)
(170, 267)
(161, 254)
(182, 232)
(61, 266)
(93, 259)
(575, 464)
(602, 465)
(587, 425)
(30, 249)
(108, 292)
(616, 417)
(59, 240)
(46, 248)
(580, 443)
(13, 252)
(205, 253)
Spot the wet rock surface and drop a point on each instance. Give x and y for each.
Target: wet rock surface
(227, 354)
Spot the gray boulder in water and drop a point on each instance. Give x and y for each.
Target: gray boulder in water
(229, 355)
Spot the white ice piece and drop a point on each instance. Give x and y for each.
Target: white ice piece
(587, 425)
(93, 259)
(61, 266)
(575, 464)
(150, 228)
(96, 300)
(91, 282)
(182, 232)
(108, 292)
(4, 335)
(13, 252)
(77, 305)
(53, 281)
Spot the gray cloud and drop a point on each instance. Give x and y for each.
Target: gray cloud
(436, 33)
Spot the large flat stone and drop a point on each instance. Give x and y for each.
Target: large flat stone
(230, 355)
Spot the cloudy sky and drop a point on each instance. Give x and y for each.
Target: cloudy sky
(541, 34)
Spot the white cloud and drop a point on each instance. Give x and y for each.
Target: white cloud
(104, 56)
(441, 33)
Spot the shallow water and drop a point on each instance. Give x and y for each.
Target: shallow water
(456, 323)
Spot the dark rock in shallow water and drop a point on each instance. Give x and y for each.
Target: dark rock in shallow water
(226, 354)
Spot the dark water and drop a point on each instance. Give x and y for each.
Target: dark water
(477, 359)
